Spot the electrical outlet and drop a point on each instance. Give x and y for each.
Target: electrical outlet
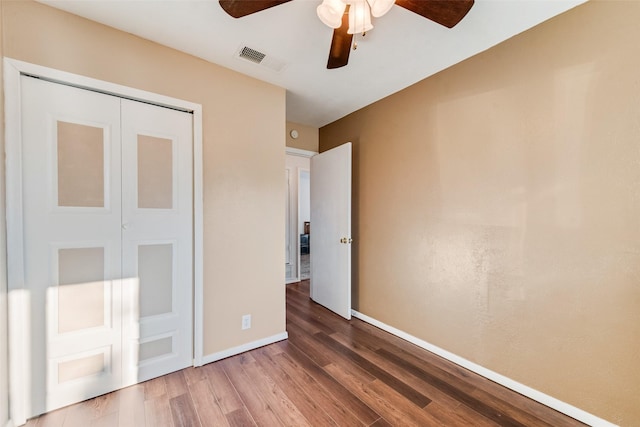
(246, 321)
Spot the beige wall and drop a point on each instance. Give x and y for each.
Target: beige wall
(497, 208)
(4, 371)
(243, 192)
(307, 137)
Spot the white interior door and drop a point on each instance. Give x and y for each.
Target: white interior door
(107, 232)
(331, 229)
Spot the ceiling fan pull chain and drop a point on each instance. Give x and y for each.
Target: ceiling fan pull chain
(364, 27)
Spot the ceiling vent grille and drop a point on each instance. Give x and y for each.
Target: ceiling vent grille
(251, 55)
(262, 59)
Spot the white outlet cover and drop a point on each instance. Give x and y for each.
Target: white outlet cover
(246, 321)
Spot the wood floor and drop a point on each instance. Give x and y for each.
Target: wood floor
(329, 372)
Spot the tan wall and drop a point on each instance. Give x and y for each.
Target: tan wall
(243, 165)
(307, 137)
(4, 369)
(497, 208)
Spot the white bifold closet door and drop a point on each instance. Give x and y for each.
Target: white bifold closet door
(107, 234)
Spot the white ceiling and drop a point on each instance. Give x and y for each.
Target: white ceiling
(403, 48)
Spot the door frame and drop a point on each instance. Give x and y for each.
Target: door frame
(18, 298)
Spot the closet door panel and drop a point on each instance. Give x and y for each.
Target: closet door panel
(157, 240)
(72, 242)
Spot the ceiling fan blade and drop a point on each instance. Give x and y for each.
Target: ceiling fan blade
(240, 8)
(340, 44)
(444, 12)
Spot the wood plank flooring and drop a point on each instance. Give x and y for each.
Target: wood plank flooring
(329, 372)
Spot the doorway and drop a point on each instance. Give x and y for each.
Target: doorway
(329, 176)
(298, 208)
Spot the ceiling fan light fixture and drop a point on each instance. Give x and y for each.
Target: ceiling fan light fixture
(359, 17)
(330, 12)
(380, 7)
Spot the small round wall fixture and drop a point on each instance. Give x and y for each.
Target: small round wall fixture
(294, 134)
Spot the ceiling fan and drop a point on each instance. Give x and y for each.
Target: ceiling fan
(353, 16)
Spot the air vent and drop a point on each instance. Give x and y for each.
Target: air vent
(262, 59)
(251, 55)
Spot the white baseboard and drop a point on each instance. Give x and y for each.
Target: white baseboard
(527, 391)
(244, 347)
(9, 424)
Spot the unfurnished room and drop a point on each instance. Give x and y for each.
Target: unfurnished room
(319, 213)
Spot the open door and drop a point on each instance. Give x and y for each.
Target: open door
(331, 229)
